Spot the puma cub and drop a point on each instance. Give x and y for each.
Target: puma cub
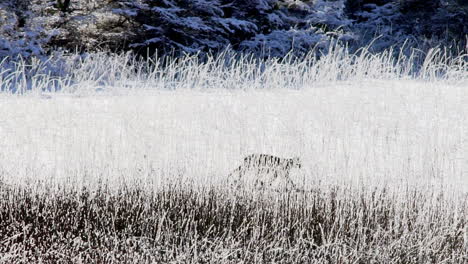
(266, 169)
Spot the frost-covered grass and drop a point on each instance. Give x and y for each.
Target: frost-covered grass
(182, 224)
(348, 132)
(136, 170)
(121, 73)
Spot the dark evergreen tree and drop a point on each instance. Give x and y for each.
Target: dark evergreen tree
(272, 27)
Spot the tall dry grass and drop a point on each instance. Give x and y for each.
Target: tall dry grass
(119, 73)
(186, 224)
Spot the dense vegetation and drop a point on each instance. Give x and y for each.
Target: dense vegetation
(181, 224)
(271, 27)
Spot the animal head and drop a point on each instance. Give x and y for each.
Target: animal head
(296, 162)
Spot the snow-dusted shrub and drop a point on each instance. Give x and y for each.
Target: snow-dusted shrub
(184, 26)
(410, 24)
(300, 27)
(380, 24)
(180, 26)
(279, 42)
(18, 36)
(444, 21)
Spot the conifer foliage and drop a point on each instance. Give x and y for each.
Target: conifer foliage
(262, 27)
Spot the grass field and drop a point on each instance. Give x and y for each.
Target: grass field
(104, 173)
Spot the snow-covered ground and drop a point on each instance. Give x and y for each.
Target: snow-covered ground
(362, 132)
